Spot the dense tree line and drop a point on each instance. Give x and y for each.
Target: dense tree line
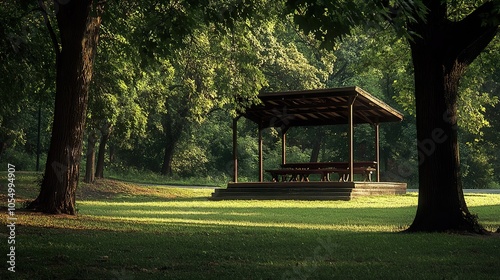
(169, 77)
(133, 95)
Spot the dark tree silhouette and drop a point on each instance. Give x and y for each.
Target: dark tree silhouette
(441, 50)
(78, 22)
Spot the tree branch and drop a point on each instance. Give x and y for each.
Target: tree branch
(476, 31)
(392, 11)
(52, 33)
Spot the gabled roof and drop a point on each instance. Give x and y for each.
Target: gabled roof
(320, 107)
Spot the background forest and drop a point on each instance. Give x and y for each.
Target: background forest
(164, 94)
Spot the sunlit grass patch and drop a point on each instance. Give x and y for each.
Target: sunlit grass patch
(386, 213)
(129, 231)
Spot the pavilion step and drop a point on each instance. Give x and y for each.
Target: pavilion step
(254, 196)
(364, 192)
(283, 193)
(301, 190)
(306, 190)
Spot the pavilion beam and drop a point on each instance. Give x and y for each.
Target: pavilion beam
(261, 155)
(283, 145)
(377, 150)
(235, 149)
(351, 137)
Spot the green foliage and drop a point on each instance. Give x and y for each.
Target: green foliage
(184, 68)
(478, 168)
(291, 60)
(385, 70)
(26, 71)
(114, 98)
(213, 70)
(21, 159)
(190, 161)
(331, 21)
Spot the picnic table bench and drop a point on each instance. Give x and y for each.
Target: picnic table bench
(329, 164)
(365, 171)
(302, 175)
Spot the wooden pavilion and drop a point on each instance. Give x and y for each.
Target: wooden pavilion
(334, 106)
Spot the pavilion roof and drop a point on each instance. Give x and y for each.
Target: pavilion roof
(319, 107)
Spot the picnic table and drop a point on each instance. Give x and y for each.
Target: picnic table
(293, 172)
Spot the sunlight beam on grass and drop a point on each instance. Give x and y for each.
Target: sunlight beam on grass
(336, 227)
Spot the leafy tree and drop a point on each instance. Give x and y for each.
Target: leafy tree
(441, 53)
(444, 38)
(78, 24)
(381, 63)
(26, 77)
(481, 163)
(220, 68)
(291, 60)
(114, 108)
(386, 68)
(225, 67)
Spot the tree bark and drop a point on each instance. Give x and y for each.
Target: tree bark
(173, 135)
(3, 147)
(166, 168)
(441, 204)
(316, 147)
(79, 23)
(90, 164)
(173, 128)
(440, 56)
(106, 131)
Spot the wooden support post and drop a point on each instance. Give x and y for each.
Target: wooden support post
(377, 150)
(261, 156)
(235, 150)
(283, 145)
(351, 137)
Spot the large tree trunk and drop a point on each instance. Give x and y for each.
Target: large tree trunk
(166, 168)
(173, 127)
(90, 164)
(441, 203)
(173, 131)
(78, 23)
(105, 134)
(316, 147)
(440, 57)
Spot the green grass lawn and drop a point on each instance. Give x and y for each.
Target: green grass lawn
(149, 177)
(127, 231)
